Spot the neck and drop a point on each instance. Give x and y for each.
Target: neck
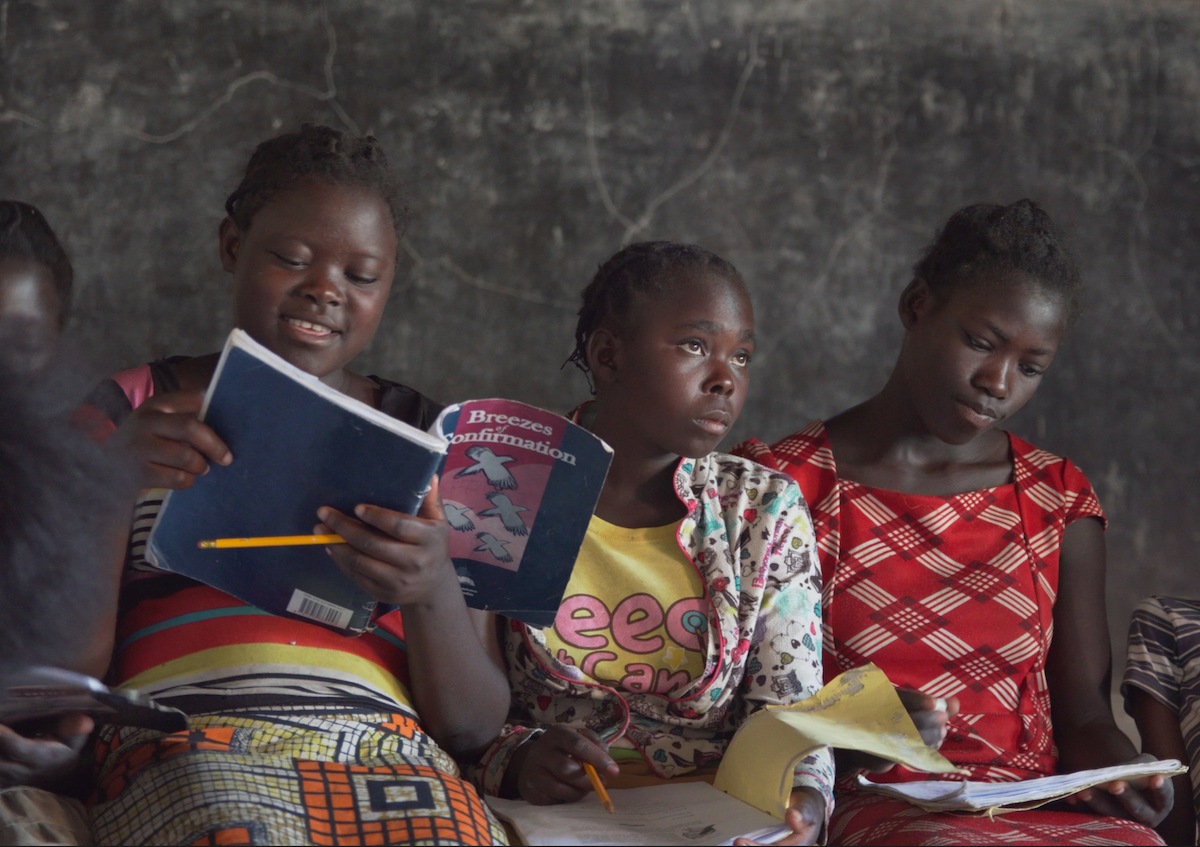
(639, 490)
(339, 379)
(899, 436)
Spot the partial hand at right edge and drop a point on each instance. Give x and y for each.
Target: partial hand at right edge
(170, 446)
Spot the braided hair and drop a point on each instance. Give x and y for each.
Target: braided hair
(649, 267)
(24, 233)
(316, 153)
(1002, 242)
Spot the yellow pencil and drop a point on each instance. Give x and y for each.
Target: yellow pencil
(269, 541)
(605, 800)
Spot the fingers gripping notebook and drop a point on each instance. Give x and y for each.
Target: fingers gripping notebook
(519, 486)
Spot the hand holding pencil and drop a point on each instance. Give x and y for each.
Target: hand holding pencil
(400, 559)
(554, 767)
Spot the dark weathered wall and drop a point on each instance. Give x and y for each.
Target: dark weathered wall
(815, 144)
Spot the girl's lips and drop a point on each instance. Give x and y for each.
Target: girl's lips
(715, 425)
(973, 415)
(307, 330)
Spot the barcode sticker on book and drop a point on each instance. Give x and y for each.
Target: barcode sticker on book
(314, 608)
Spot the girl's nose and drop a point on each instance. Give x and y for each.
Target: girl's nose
(322, 289)
(994, 378)
(720, 381)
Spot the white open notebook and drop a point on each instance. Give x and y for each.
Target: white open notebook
(967, 796)
(688, 813)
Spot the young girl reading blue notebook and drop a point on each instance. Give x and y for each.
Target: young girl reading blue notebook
(298, 733)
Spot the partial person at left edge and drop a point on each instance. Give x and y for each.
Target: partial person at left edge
(35, 285)
(59, 496)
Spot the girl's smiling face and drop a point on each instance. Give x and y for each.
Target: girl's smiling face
(312, 273)
(974, 355)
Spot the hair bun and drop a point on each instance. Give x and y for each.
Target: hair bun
(993, 241)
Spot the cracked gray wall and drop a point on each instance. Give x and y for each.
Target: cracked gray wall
(816, 144)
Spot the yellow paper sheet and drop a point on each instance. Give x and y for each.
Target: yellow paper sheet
(859, 710)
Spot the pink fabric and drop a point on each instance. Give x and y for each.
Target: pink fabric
(137, 383)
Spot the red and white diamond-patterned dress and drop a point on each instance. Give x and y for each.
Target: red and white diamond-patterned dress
(953, 596)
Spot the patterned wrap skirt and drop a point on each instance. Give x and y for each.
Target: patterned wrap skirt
(284, 776)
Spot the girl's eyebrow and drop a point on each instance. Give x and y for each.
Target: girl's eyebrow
(1003, 335)
(361, 254)
(703, 326)
(1037, 351)
(713, 327)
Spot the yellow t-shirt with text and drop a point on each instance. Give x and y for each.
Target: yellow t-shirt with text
(633, 616)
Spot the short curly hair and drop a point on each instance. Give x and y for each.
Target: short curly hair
(648, 267)
(319, 153)
(989, 240)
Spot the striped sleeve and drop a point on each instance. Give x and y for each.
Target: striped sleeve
(1163, 657)
(145, 513)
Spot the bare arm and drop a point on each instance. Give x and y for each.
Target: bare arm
(1079, 674)
(460, 691)
(96, 660)
(454, 660)
(1162, 738)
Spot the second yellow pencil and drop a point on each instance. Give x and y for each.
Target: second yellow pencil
(605, 800)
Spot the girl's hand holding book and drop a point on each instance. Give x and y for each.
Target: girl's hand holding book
(171, 447)
(1147, 801)
(805, 817)
(931, 716)
(400, 559)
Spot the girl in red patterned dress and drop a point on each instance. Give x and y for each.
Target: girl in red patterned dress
(952, 551)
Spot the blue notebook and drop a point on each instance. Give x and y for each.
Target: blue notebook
(519, 486)
(297, 445)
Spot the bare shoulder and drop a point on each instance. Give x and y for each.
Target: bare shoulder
(361, 388)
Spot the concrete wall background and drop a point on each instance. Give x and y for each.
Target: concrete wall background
(816, 144)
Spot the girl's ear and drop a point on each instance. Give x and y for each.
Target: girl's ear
(229, 240)
(603, 349)
(915, 300)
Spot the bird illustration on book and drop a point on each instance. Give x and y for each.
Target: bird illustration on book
(508, 512)
(492, 544)
(491, 465)
(457, 516)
